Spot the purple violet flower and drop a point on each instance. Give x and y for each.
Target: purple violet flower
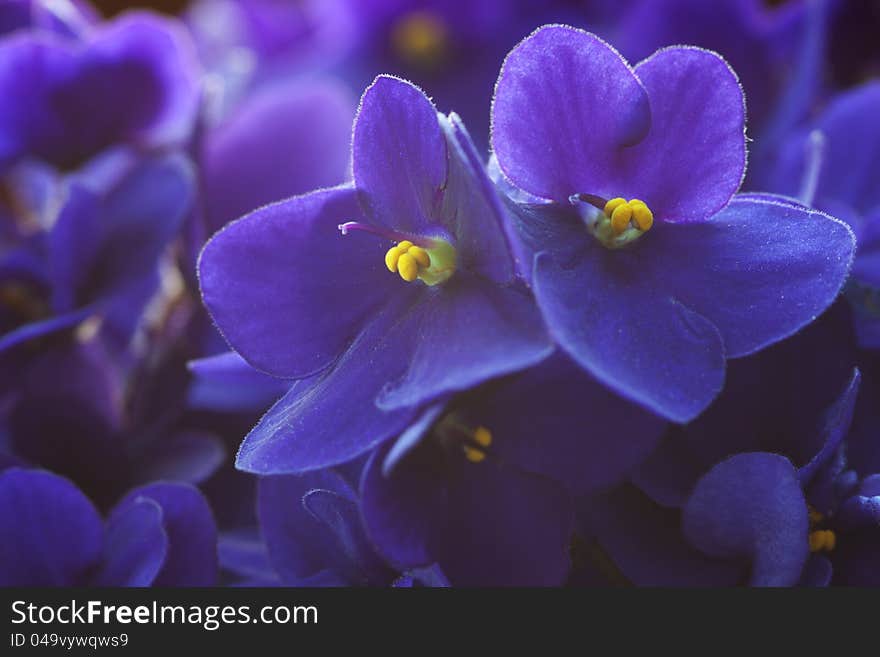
(649, 272)
(302, 288)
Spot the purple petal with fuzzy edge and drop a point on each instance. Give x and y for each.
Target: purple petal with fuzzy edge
(565, 102)
(286, 290)
(399, 155)
(759, 270)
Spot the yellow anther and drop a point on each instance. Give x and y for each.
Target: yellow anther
(822, 540)
(420, 256)
(815, 516)
(473, 454)
(433, 264)
(407, 267)
(391, 258)
(641, 215)
(612, 205)
(622, 222)
(483, 436)
(620, 218)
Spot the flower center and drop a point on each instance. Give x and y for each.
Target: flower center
(432, 260)
(420, 39)
(821, 540)
(432, 265)
(453, 434)
(621, 222)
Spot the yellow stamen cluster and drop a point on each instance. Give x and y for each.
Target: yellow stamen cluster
(822, 540)
(475, 453)
(625, 214)
(433, 263)
(407, 260)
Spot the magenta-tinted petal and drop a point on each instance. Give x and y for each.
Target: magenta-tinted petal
(399, 155)
(630, 333)
(468, 332)
(694, 157)
(286, 140)
(759, 270)
(751, 506)
(135, 545)
(566, 104)
(332, 418)
(287, 290)
(52, 533)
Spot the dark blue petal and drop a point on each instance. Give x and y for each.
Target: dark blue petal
(629, 332)
(52, 533)
(759, 270)
(837, 423)
(644, 541)
(136, 545)
(192, 534)
(469, 331)
(332, 418)
(556, 420)
(751, 506)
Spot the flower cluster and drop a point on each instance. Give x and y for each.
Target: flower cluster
(623, 328)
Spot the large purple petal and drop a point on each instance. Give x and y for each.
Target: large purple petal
(759, 270)
(287, 291)
(565, 104)
(136, 545)
(192, 534)
(751, 506)
(332, 418)
(286, 140)
(399, 155)
(52, 534)
(694, 157)
(630, 333)
(469, 331)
